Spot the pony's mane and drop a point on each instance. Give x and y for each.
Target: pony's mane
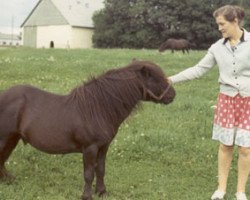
(110, 96)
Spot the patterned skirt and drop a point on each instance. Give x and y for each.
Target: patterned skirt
(232, 120)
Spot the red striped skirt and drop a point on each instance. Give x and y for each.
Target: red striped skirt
(232, 120)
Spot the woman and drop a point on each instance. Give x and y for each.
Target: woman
(232, 116)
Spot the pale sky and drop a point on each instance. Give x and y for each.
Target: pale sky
(17, 10)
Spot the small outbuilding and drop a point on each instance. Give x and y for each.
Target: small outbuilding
(10, 39)
(60, 24)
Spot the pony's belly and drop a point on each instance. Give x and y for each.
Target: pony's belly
(59, 145)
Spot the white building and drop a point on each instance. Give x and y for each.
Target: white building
(10, 40)
(60, 24)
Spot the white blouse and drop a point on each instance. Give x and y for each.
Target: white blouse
(233, 63)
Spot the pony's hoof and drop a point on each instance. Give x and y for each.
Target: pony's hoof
(6, 177)
(86, 198)
(102, 194)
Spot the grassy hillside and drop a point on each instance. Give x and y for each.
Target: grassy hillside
(160, 152)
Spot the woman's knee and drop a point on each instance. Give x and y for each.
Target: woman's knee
(244, 151)
(226, 148)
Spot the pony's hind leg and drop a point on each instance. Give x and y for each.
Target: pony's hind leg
(7, 145)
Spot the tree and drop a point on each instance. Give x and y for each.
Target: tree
(122, 24)
(146, 24)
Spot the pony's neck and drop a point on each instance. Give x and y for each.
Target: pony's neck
(119, 98)
(108, 100)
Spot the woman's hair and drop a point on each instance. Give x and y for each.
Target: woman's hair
(230, 13)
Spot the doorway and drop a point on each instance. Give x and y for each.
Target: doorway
(51, 44)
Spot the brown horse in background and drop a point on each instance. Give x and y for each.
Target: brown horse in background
(176, 44)
(84, 121)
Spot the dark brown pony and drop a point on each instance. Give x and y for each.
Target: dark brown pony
(176, 44)
(85, 121)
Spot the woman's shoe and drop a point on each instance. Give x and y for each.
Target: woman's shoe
(218, 195)
(241, 196)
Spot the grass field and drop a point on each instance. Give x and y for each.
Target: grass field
(160, 152)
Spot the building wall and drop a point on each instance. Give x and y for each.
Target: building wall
(30, 36)
(62, 36)
(59, 35)
(81, 37)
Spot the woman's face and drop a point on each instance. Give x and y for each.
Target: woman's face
(227, 28)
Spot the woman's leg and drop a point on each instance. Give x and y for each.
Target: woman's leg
(225, 156)
(243, 168)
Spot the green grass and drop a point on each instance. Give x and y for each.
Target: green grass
(160, 152)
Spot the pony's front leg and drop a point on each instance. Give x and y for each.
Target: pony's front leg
(7, 145)
(100, 171)
(89, 161)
